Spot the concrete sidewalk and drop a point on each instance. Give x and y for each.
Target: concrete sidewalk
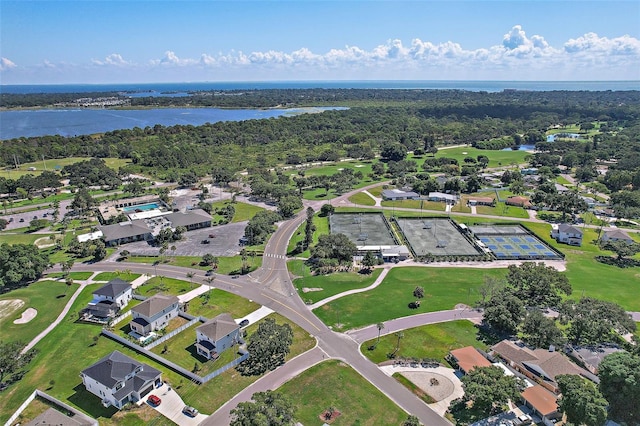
(375, 284)
(194, 293)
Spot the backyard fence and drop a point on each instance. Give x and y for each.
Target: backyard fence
(224, 368)
(173, 333)
(120, 318)
(71, 412)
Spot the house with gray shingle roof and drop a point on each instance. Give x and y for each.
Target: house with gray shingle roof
(118, 379)
(616, 235)
(53, 417)
(398, 194)
(126, 232)
(107, 301)
(190, 219)
(154, 313)
(217, 335)
(567, 234)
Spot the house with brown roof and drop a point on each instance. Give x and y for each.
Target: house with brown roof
(543, 403)
(519, 201)
(217, 335)
(468, 358)
(154, 313)
(481, 201)
(540, 365)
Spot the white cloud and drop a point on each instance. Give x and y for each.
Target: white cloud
(517, 56)
(6, 64)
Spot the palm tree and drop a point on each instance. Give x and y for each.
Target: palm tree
(190, 276)
(399, 335)
(380, 326)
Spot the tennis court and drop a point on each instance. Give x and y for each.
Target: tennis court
(513, 242)
(363, 229)
(435, 236)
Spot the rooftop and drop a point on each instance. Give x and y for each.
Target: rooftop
(218, 327)
(113, 288)
(469, 358)
(541, 399)
(154, 304)
(115, 368)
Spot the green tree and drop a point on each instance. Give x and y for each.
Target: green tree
(412, 421)
(418, 292)
(380, 327)
(393, 152)
(334, 246)
(581, 401)
(540, 331)
(489, 388)
(537, 284)
(369, 260)
(622, 249)
(266, 409)
(327, 209)
(288, 205)
(619, 375)
(3, 224)
(268, 347)
(504, 312)
(593, 321)
(21, 264)
(12, 362)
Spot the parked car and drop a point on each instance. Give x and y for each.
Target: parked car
(205, 242)
(21, 219)
(154, 400)
(209, 273)
(244, 323)
(10, 219)
(211, 236)
(190, 411)
(35, 217)
(235, 276)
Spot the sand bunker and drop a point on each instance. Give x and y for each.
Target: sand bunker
(27, 316)
(439, 389)
(307, 289)
(9, 306)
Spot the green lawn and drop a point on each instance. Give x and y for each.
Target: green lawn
(496, 158)
(332, 284)
(58, 359)
(80, 276)
(322, 228)
(123, 275)
(415, 204)
(501, 209)
(47, 297)
(428, 341)
(244, 211)
(226, 265)
(15, 238)
(376, 191)
(362, 199)
(219, 302)
(165, 285)
(335, 384)
(444, 288)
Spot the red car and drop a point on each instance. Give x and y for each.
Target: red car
(153, 400)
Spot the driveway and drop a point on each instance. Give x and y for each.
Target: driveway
(171, 407)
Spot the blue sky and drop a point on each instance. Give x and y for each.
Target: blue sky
(174, 41)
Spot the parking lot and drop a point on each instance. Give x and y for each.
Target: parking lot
(21, 220)
(224, 243)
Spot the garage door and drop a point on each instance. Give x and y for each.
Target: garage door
(146, 391)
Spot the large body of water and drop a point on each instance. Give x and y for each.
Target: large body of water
(70, 122)
(73, 122)
(475, 86)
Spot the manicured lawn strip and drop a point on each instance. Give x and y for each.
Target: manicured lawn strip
(12, 238)
(322, 228)
(427, 341)
(413, 388)
(47, 297)
(444, 288)
(415, 204)
(226, 265)
(108, 276)
(501, 209)
(244, 211)
(80, 276)
(333, 284)
(55, 164)
(496, 158)
(376, 191)
(461, 206)
(335, 384)
(165, 285)
(220, 302)
(363, 199)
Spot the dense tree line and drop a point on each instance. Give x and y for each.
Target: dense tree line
(21, 264)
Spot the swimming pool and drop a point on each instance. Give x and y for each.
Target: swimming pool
(141, 207)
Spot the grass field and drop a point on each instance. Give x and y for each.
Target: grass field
(108, 276)
(226, 265)
(444, 288)
(80, 276)
(415, 204)
(164, 285)
(335, 384)
(496, 158)
(333, 284)
(58, 360)
(362, 199)
(220, 302)
(428, 341)
(244, 211)
(501, 209)
(47, 297)
(322, 228)
(12, 237)
(57, 164)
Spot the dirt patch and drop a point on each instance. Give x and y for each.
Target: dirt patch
(27, 316)
(44, 242)
(307, 289)
(435, 385)
(330, 416)
(8, 307)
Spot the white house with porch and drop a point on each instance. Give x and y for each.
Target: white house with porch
(217, 335)
(154, 313)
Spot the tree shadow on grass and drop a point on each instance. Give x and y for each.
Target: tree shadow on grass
(90, 403)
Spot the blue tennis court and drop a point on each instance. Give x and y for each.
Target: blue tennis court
(513, 242)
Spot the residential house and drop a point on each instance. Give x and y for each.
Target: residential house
(398, 194)
(154, 313)
(53, 417)
(590, 201)
(442, 197)
(540, 365)
(481, 201)
(107, 301)
(519, 201)
(118, 379)
(567, 234)
(543, 403)
(591, 356)
(190, 219)
(217, 335)
(529, 172)
(616, 235)
(468, 358)
(561, 188)
(126, 232)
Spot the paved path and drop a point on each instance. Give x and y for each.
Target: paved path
(375, 284)
(171, 406)
(256, 315)
(194, 293)
(376, 199)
